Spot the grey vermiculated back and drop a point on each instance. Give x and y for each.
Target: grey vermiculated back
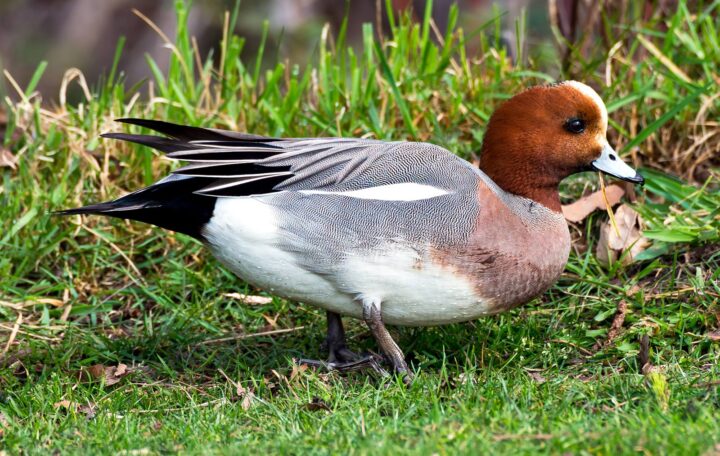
(323, 228)
(332, 164)
(229, 164)
(328, 163)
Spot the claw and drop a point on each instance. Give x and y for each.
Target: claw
(342, 359)
(371, 361)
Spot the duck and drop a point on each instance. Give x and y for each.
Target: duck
(389, 232)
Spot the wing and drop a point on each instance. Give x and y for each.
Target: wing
(226, 164)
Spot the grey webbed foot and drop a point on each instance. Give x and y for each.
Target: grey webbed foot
(341, 358)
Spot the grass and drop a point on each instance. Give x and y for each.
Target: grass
(202, 378)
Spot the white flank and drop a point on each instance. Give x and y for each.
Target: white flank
(249, 218)
(407, 191)
(413, 291)
(244, 235)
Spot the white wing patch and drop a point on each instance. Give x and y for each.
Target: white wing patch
(407, 191)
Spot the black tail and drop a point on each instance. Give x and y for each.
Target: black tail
(176, 202)
(169, 204)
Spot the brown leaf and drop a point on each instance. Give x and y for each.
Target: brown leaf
(615, 327)
(66, 404)
(297, 370)
(580, 209)
(96, 371)
(52, 301)
(714, 335)
(7, 159)
(89, 410)
(613, 243)
(120, 370)
(715, 451)
(4, 423)
(537, 377)
(249, 299)
(317, 404)
(644, 355)
(111, 374)
(246, 395)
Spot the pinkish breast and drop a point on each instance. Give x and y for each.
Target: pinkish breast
(517, 251)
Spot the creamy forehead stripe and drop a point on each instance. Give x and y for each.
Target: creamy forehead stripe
(593, 95)
(407, 191)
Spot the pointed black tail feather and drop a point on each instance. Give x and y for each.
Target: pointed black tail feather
(169, 204)
(184, 139)
(166, 145)
(185, 200)
(187, 133)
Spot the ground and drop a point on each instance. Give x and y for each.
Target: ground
(116, 337)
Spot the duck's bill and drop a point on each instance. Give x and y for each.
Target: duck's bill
(609, 163)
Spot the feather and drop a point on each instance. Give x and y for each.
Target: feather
(187, 133)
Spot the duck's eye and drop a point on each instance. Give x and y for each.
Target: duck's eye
(575, 125)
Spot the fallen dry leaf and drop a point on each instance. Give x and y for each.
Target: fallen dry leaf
(246, 395)
(297, 370)
(7, 159)
(121, 370)
(4, 423)
(52, 301)
(464, 379)
(580, 209)
(611, 245)
(714, 335)
(317, 404)
(537, 377)
(617, 323)
(714, 451)
(66, 404)
(89, 410)
(111, 374)
(249, 299)
(644, 355)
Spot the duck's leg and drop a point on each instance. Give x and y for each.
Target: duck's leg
(335, 341)
(373, 318)
(341, 358)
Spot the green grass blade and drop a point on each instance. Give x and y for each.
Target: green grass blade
(662, 120)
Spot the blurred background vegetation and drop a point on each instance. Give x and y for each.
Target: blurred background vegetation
(83, 33)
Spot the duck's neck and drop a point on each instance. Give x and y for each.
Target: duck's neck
(529, 180)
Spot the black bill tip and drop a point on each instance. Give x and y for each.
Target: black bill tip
(636, 179)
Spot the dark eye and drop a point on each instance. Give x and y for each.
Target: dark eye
(575, 125)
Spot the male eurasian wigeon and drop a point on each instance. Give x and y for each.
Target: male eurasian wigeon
(390, 232)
